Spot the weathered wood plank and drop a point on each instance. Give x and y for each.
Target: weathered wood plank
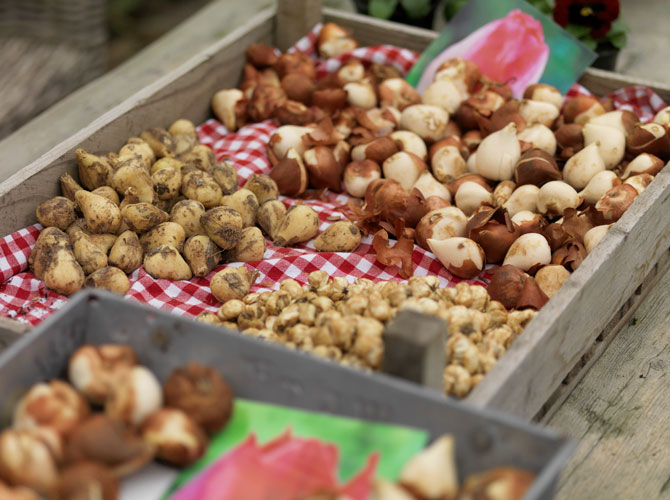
(10, 331)
(77, 110)
(653, 280)
(294, 19)
(184, 92)
(620, 413)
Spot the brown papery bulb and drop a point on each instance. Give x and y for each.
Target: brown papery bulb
(536, 167)
(581, 109)
(570, 139)
(202, 393)
(494, 231)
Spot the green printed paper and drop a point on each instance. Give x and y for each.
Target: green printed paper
(356, 439)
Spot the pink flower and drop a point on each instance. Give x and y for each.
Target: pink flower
(511, 49)
(287, 468)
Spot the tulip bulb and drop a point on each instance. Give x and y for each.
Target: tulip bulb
(538, 112)
(611, 142)
(446, 160)
(583, 166)
(404, 168)
(523, 198)
(539, 136)
(498, 154)
(471, 162)
(444, 94)
(620, 119)
(545, 93)
(440, 224)
(639, 182)
(361, 94)
(428, 122)
(410, 142)
(430, 186)
(287, 137)
(470, 196)
(644, 163)
(461, 256)
(551, 278)
(528, 252)
(663, 116)
(556, 197)
(598, 185)
(594, 235)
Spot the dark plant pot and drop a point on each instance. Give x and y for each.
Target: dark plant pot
(401, 16)
(607, 55)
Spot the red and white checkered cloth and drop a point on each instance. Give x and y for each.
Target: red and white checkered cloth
(26, 299)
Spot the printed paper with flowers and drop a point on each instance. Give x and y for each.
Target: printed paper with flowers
(481, 26)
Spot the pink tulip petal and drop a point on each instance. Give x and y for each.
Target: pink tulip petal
(359, 487)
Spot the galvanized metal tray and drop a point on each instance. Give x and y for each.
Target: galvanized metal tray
(262, 371)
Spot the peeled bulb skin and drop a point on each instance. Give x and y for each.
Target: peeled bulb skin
(528, 251)
(498, 153)
(611, 142)
(599, 185)
(540, 137)
(583, 166)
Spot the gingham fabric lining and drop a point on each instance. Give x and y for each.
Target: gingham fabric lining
(26, 299)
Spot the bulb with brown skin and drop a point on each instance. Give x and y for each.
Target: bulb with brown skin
(86, 481)
(614, 203)
(108, 442)
(178, 439)
(494, 231)
(55, 404)
(536, 167)
(201, 392)
(92, 369)
(570, 139)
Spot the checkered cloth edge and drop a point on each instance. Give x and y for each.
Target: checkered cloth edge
(26, 299)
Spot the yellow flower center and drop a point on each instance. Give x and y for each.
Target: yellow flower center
(586, 11)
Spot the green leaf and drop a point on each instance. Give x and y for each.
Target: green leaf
(416, 8)
(451, 7)
(617, 39)
(578, 31)
(382, 9)
(544, 6)
(590, 43)
(619, 26)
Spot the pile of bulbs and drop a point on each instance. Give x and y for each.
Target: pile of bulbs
(77, 439)
(476, 175)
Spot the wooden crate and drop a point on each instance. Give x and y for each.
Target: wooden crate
(556, 348)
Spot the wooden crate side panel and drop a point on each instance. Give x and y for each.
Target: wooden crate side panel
(184, 93)
(568, 325)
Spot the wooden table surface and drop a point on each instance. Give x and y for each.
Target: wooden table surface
(619, 412)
